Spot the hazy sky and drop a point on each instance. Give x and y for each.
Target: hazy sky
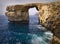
(4, 3)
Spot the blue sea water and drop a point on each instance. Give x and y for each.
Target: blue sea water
(15, 33)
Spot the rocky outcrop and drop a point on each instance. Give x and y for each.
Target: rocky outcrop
(17, 14)
(50, 18)
(20, 12)
(55, 40)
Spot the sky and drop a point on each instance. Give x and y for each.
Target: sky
(5, 3)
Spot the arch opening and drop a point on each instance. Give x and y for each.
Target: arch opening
(33, 16)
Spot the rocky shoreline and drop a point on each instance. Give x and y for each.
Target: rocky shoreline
(49, 16)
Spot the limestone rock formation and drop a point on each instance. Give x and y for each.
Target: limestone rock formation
(19, 16)
(50, 18)
(19, 12)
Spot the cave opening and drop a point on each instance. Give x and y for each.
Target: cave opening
(33, 16)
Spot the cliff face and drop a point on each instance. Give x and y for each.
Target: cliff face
(50, 18)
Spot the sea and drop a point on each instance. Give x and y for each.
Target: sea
(19, 33)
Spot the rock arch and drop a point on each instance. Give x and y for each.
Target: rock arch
(20, 12)
(49, 16)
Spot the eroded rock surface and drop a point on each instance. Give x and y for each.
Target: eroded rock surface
(50, 18)
(19, 12)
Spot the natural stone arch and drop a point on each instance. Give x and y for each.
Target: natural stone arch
(20, 12)
(33, 16)
(51, 20)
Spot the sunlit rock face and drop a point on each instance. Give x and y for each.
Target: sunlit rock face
(50, 18)
(16, 14)
(19, 12)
